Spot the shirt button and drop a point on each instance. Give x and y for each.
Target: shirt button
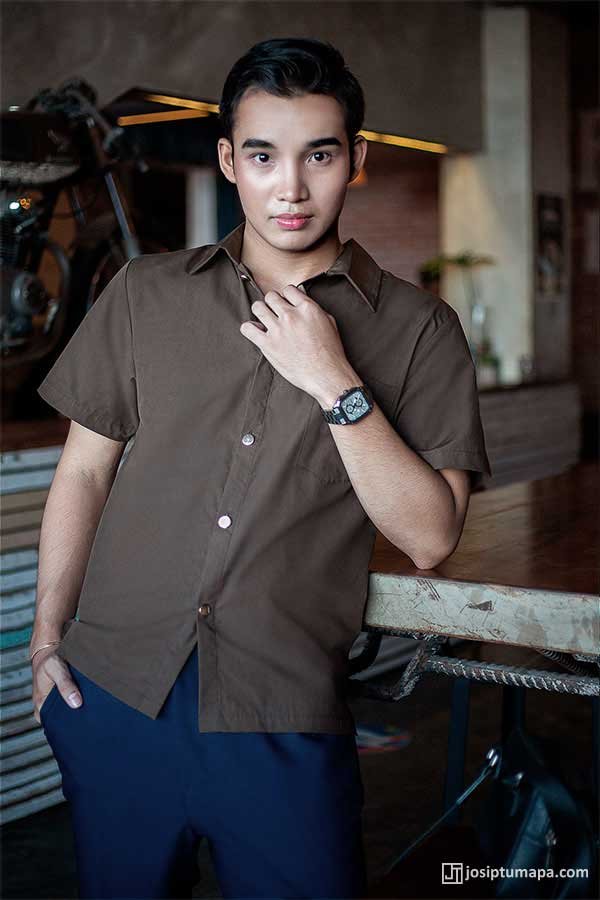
(224, 521)
(248, 439)
(205, 609)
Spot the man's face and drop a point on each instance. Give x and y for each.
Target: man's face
(291, 156)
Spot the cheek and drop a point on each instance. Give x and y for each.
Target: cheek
(253, 175)
(330, 186)
(332, 178)
(252, 185)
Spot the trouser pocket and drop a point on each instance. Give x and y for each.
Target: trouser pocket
(51, 697)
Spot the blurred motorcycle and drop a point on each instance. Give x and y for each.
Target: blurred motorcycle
(57, 150)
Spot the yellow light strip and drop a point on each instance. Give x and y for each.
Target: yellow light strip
(179, 101)
(398, 141)
(198, 108)
(143, 118)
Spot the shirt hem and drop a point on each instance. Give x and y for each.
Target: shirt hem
(97, 673)
(212, 721)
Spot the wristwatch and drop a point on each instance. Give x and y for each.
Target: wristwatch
(352, 405)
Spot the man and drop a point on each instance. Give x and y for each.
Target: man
(286, 398)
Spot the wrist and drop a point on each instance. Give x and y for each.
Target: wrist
(330, 390)
(42, 651)
(40, 641)
(54, 631)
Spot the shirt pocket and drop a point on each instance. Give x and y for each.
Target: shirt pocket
(318, 452)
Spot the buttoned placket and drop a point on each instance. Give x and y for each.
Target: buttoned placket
(211, 711)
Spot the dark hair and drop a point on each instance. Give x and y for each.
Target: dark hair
(294, 66)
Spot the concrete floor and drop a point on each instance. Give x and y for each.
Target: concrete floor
(404, 790)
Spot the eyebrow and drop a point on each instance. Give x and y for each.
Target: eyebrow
(319, 142)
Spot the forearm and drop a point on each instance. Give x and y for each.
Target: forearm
(71, 515)
(407, 500)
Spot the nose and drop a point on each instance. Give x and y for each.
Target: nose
(292, 186)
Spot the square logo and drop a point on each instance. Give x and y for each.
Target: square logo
(452, 873)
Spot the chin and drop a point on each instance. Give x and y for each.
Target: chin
(300, 240)
(296, 239)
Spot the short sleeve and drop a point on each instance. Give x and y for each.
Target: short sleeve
(93, 380)
(438, 411)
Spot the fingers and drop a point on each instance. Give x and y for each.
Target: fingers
(254, 331)
(275, 308)
(295, 295)
(276, 302)
(55, 670)
(279, 302)
(264, 313)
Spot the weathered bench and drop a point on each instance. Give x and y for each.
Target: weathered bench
(525, 574)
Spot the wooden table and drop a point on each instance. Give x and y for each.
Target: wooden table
(525, 574)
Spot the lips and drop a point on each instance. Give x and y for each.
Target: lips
(291, 221)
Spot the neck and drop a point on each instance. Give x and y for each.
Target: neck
(272, 269)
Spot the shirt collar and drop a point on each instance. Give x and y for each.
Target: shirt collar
(353, 262)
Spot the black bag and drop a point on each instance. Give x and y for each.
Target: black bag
(529, 820)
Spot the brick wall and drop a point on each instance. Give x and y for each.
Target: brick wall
(394, 215)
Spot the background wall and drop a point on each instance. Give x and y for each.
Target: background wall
(419, 63)
(489, 199)
(551, 175)
(488, 79)
(486, 197)
(585, 183)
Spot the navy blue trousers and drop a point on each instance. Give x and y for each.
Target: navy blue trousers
(282, 812)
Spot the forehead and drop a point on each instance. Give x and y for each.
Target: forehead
(295, 119)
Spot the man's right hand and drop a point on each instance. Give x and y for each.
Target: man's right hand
(49, 669)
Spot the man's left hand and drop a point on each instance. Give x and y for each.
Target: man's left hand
(302, 342)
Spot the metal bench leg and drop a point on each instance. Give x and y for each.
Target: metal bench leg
(595, 749)
(457, 744)
(513, 709)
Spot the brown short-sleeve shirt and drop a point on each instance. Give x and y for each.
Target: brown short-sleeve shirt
(232, 526)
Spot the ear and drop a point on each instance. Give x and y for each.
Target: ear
(359, 153)
(225, 151)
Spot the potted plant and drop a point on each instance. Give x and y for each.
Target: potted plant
(480, 342)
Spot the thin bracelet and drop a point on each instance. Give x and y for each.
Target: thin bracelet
(42, 647)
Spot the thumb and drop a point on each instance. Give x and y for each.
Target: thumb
(68, 688)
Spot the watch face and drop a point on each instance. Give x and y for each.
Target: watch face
(354, 405)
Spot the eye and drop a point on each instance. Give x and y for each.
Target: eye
(322, 153)
(262, 161)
